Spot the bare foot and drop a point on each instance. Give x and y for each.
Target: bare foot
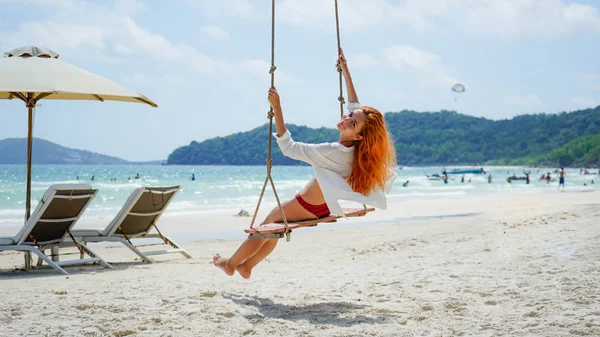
(221, 262)
(245, 273)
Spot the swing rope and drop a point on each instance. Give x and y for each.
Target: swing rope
(339, 69)
(270, 115)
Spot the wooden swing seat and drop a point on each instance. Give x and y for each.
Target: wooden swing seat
(279, 227)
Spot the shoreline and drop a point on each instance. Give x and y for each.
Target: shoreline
(210, 223)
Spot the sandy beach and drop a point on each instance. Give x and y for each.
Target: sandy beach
(499, 265)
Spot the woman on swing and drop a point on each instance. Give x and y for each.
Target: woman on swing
(363, 156)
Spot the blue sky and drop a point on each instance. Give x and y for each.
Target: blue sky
(205, 63)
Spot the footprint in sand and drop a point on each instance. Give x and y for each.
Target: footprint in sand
(427, 307)
(208, 294)
(83, 306)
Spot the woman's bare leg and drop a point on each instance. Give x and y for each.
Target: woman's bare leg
(245, 269)
(256, 249)
(247, 249)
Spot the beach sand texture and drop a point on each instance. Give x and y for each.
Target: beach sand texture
(475, 266)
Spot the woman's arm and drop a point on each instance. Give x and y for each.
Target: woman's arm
(343, 65)
(276, 106)
(313, 154)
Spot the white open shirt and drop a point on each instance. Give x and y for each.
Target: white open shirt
(332, 164)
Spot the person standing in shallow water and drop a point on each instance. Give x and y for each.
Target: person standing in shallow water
(364, 157)
(561, 178)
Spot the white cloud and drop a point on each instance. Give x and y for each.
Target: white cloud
(353, 14)
(122, 49)
(503, 18)
(157, 46)
(411, 57)
(363, 60)
(87, 30)
(215, 32)
(218, 8)
(56, 36)
(528, 18)
(427, 66)
(261, 67)
(579, 14)
(530, 101)
(129, 7)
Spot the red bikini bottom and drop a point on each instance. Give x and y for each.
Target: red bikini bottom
(318, 210)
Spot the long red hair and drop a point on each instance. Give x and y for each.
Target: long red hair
(374, 154)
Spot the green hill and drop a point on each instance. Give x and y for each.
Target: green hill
(14, 151)
(429, 138)
(580, 152)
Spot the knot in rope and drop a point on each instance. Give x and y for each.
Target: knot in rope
(272, 70)
(270, 114)
(341, 99)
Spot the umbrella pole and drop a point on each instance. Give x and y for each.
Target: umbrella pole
(29, 146)
(28, 194)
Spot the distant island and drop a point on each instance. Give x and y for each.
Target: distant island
(434, 138)
(14, 151)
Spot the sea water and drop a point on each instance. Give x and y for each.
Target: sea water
(231, 188)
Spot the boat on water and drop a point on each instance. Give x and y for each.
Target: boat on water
(467, 171)
(436, 176)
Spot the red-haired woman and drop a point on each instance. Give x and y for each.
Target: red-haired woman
(358, 167)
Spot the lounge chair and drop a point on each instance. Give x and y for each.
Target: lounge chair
(135, 220)
(51, 222)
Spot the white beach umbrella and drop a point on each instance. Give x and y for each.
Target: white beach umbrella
(34, 73)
